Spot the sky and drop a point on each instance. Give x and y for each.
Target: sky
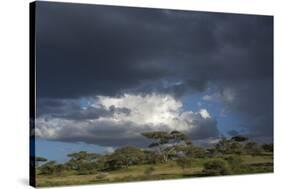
(106, 74)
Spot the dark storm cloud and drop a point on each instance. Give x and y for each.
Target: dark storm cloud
(71, 110)
(207, 128)
(102, 50)
(88, 50)
(253, 102)
(107, 134)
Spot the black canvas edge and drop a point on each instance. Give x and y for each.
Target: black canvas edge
(32, 93)
(273, 90)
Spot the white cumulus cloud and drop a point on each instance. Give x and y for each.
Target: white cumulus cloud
(151, 112)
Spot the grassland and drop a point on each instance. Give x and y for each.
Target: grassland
(170, 170)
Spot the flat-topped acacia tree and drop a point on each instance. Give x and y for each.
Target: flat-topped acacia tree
(82, 161)
(166, 142)
(124, 157)
(231, 146)
(39, 160)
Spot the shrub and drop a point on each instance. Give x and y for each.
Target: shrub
(195, 152)
(236, 148)
(235, 162)
(267, 147)
(153, 158)
(216, 167)
(252, 148)
(48, 168)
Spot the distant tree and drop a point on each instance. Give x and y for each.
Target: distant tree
(101, 162)
(231, 146)
(152, 157)
(48, 168)
(124, 157)
(195, 151)
(177, 136)
(223, 146)
(236, 148)
(252, 148)
(59, 169)
(83, 156)
(234, 161)
(165, 142)
(211, 152)
(216, 167)
(39, 160)
(267, 147)
(239, 138)
(83, 162)
(237, 142)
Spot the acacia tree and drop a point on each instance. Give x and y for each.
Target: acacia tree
(195, 151)
(39, 160)
(82, 161)
(252, 148)
(166, 142)
(231, 146)
(239, 138)
(267, 147)
(237, 144)
(48, 168)
(223, 146)
(124, 157)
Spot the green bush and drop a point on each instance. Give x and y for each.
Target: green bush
(267, 147)
(153, 158)
(48, 168)
(216, 167)
(195, 151)
(253, 148)
(235, 162)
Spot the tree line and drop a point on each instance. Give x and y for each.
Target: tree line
(165, 146)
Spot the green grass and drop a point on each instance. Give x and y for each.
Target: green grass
(170, 170)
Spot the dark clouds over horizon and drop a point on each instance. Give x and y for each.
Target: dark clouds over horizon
(86, 51)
